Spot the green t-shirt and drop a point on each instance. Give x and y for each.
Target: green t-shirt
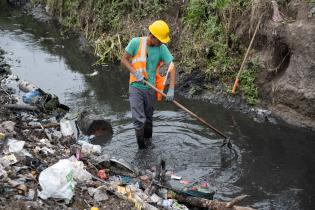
(154, 56)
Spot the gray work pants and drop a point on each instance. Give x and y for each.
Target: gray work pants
(142, 104)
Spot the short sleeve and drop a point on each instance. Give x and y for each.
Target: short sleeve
(166, 55)
(132, 46)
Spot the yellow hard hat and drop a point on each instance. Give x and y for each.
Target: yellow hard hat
(160, 30)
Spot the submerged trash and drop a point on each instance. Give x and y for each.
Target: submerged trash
(91, 124)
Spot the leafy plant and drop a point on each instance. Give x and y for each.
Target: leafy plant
(247, 82)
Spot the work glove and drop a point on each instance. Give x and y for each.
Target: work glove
(138, 76)
(170, 94)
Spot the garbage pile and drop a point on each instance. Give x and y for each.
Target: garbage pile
(44, 165)
(39, 169)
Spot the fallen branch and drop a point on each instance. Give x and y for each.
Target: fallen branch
(236, 200)
(211, 204)
(21, 107)
(50, 125)
(46, 133)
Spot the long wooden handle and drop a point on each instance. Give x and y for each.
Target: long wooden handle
(188, 111)
(244, 60)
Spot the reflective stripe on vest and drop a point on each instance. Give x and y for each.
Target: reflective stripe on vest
(139, 61)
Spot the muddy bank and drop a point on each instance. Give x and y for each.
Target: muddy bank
(285, 50)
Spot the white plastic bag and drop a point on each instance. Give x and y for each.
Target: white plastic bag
(15, 145)
(79, 173)
(57, 181)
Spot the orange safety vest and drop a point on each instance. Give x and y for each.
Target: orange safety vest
(139, 62)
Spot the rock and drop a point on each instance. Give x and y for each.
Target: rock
(99, 193)
(286, 54)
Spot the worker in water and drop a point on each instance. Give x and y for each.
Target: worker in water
(143, 58)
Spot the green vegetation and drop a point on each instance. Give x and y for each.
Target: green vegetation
(209, 44)
(247, 83)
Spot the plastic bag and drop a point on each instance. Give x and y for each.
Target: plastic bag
(57, 181)
(31, 97)
(79, 173)
(15, 145)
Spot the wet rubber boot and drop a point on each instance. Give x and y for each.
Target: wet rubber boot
(140, 138)
(148, 134)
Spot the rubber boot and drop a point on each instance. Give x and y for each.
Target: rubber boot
(140, 138)
(148, 134)
(148, 130)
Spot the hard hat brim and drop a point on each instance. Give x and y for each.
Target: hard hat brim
(164, 41)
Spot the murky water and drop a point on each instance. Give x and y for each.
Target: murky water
(276, 163)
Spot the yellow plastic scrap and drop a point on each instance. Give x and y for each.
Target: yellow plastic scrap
(121, 190)
(138, 206)
(2, 136)
(94, 208)
(130, 196)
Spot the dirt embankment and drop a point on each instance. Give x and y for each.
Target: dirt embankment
(286, 51)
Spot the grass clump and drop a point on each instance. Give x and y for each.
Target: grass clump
(247, 82)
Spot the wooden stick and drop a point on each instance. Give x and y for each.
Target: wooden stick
(236, 200)
(21, 106)
(46, 133)
(205, 203)
(188, 111)
(50, 125)
(237, 79)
